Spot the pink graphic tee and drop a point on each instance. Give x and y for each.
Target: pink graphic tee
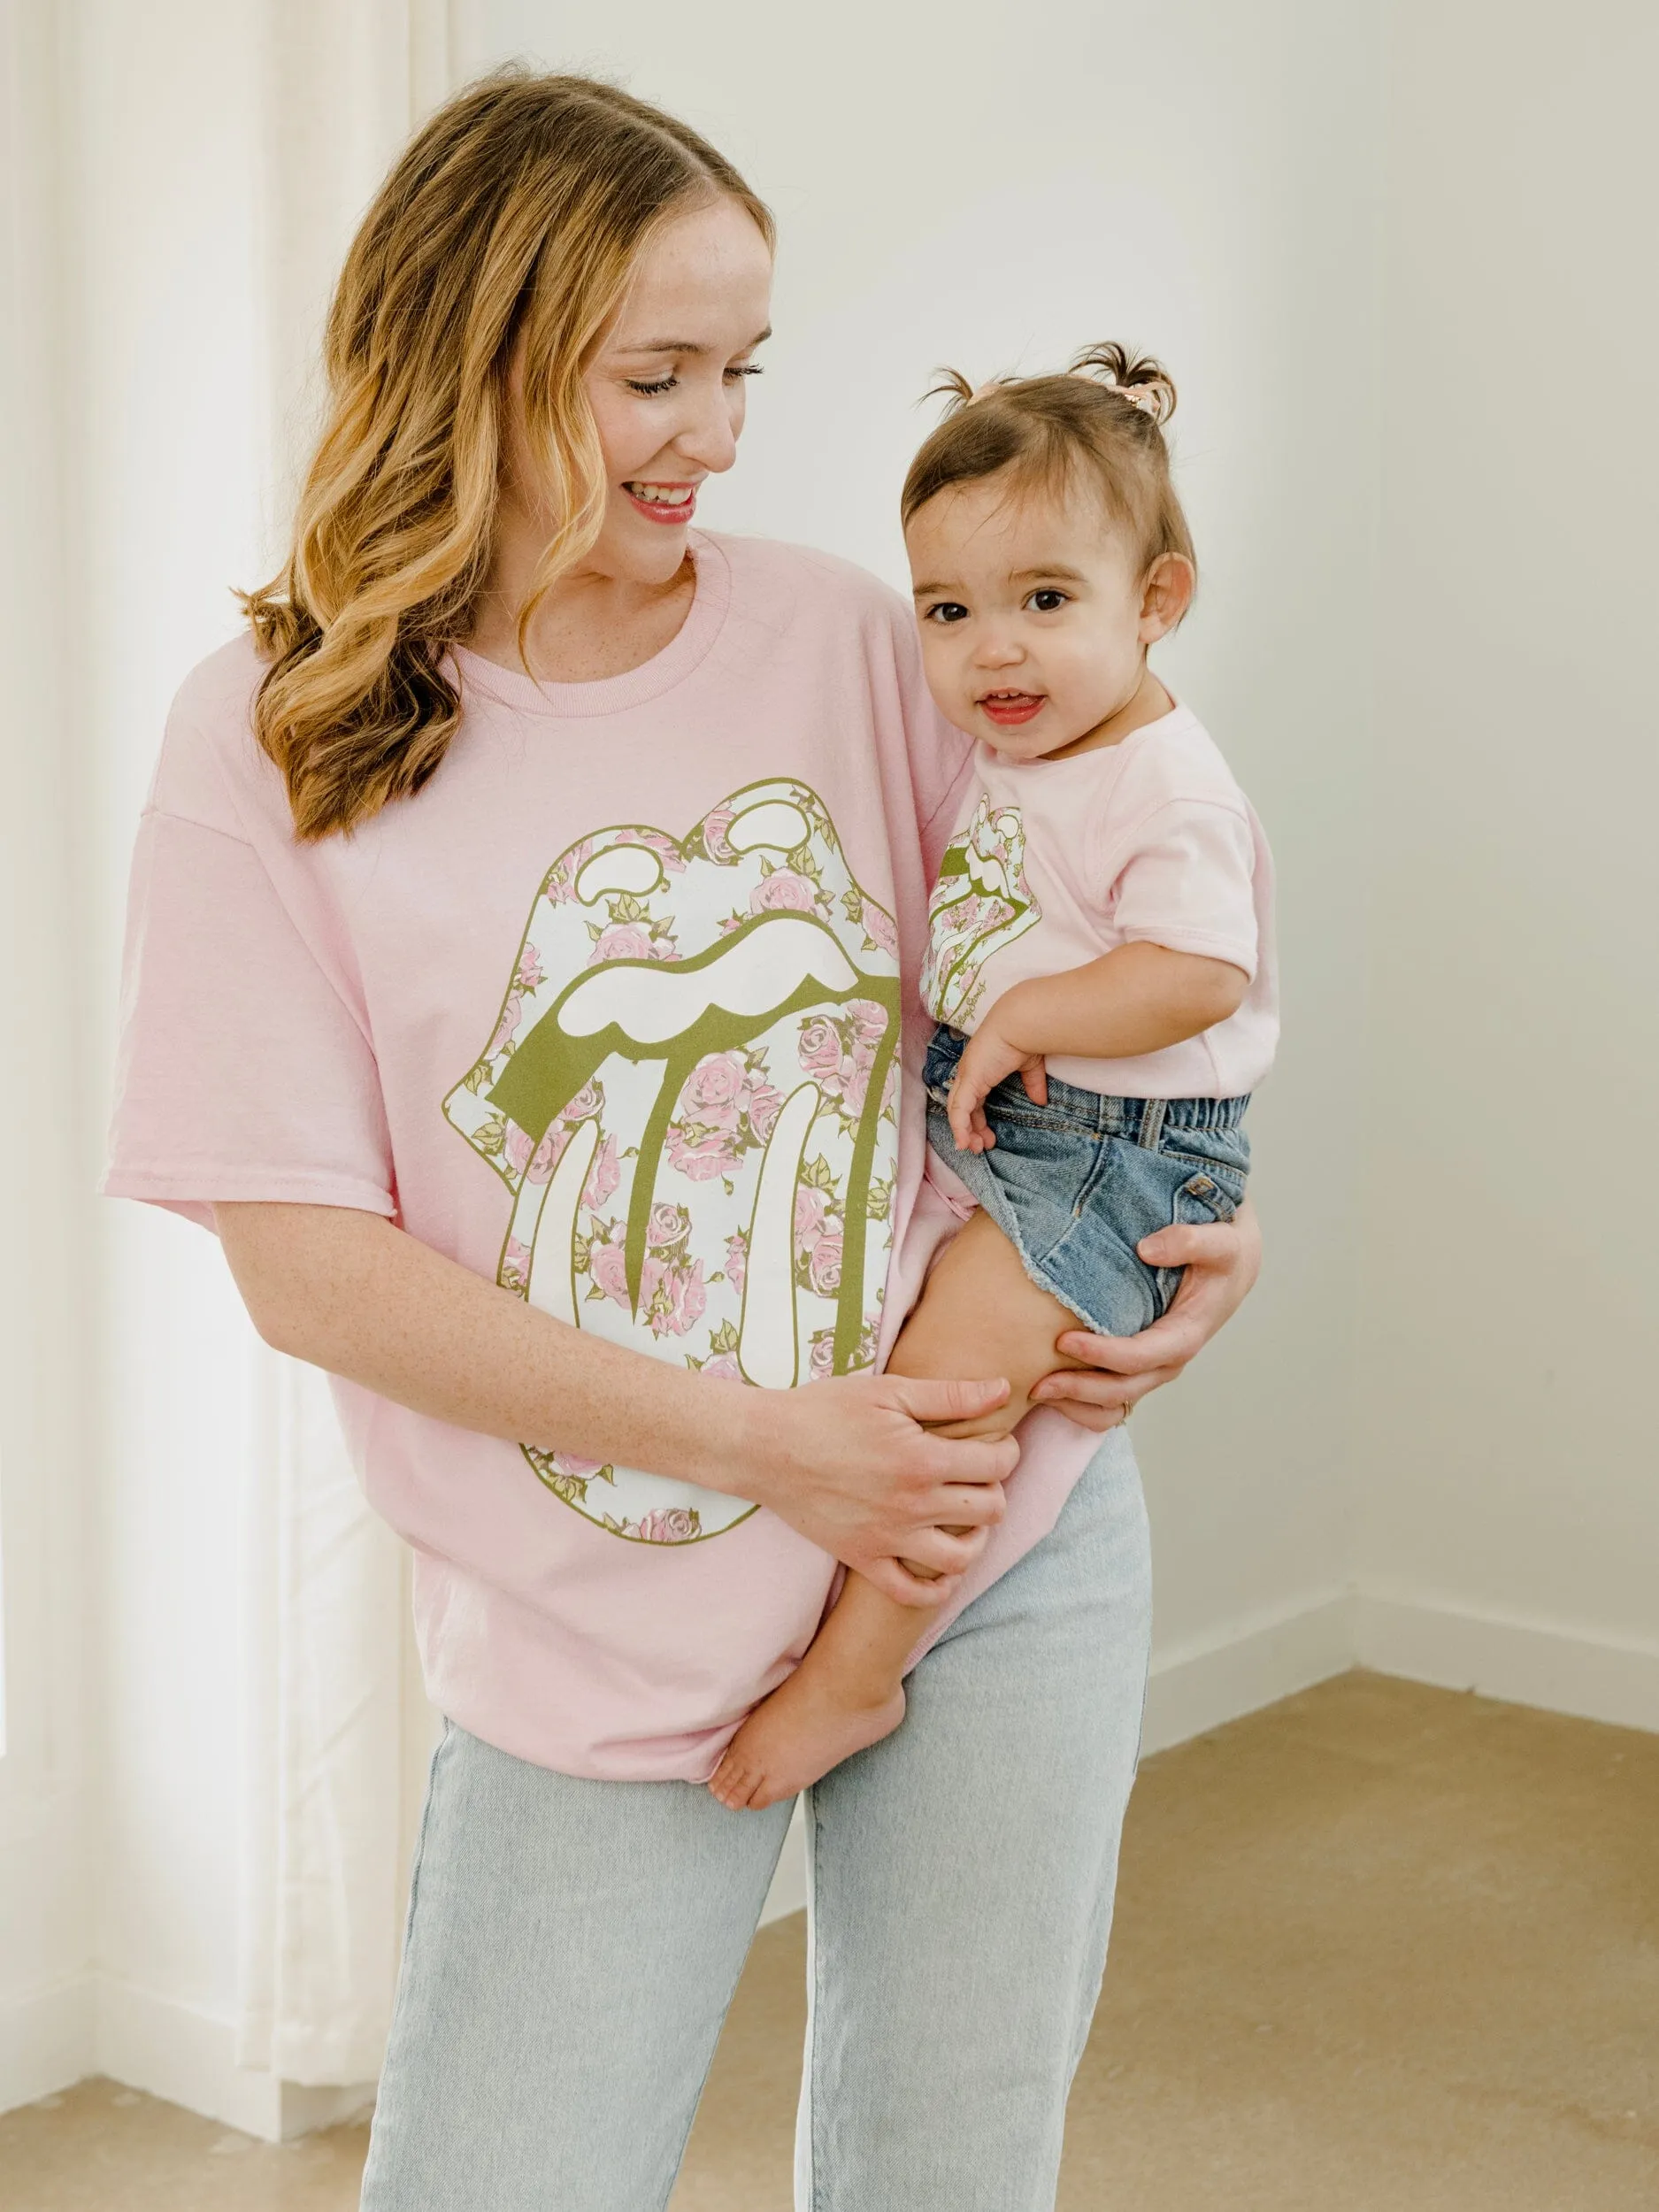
(616, 1013)
(1054, 862)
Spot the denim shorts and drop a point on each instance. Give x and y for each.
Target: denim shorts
(1075, 1184)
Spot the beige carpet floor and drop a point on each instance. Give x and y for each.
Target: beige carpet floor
(1380, 1948)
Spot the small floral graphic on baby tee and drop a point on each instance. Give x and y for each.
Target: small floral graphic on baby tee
(981, 903)
(690, 1092)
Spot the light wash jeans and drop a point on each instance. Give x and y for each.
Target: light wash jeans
(573, 1945)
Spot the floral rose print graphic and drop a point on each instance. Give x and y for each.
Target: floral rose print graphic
(690, 1094)
(981, 903)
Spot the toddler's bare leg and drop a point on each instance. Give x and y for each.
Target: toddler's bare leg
(847, 1693)
(980, 1316)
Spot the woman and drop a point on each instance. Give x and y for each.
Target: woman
(522, 920)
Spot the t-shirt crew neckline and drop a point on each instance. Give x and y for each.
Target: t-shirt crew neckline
(1177, 716)
(612, 695)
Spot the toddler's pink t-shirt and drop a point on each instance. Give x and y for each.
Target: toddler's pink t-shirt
(610, 1013)
(1055, 862)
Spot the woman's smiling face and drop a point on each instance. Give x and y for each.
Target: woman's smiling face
(666, 385)
(668, 381)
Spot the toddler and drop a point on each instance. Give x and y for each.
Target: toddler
(1100, 960)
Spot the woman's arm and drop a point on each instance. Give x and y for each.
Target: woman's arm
(844, 1462)
(1222, 1264)
(1137, 999)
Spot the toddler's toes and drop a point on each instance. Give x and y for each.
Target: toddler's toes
(733, 1782)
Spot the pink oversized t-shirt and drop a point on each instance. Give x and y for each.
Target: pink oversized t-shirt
(610, 1013)
(1055, 862)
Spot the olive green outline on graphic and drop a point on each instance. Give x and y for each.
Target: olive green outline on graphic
(550, 1067)
(1026, 913)
(884, 991)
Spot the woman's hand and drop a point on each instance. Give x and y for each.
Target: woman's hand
(847, 1464)
(1222, 1263)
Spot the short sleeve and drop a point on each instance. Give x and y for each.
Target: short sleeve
(1187, 881)
(242, 1073)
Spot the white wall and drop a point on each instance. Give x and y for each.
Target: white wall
(993, 188)
(1508, 1433)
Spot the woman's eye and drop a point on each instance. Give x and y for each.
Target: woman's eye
(744, 368)
(946, 610)
(1047, 601)
(651, 391)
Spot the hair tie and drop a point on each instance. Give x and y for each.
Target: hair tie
(1143, 397)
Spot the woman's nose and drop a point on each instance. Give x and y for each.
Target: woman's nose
(711, 441)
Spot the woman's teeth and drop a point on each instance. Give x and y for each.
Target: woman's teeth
(670, 506)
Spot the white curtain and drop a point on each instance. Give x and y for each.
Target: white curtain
(332, 1730)
(325, 1746)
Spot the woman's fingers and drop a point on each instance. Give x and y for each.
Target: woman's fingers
(1190, 1244)
(1084, 1390)
(928, 1401)
(968, 1505)
(894, 1580)
(1166, 1344)
(944, 1553)
(1220, 1260)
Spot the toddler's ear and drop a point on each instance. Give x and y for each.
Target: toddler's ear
(1165, 595)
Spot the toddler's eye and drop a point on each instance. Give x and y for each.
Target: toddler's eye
(946, 610)
(1047, 601)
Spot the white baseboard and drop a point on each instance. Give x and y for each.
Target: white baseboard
(1204, 1683)
(187, 2057)
(1522, 1662)
(46, 2041)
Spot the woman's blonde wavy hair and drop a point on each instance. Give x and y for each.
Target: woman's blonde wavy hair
(519, 210)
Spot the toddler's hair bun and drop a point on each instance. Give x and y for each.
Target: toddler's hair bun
(1144, 382)
(954, 388)
(1137, 378)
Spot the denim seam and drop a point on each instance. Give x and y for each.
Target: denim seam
(1090, 1183)
(420, 1836)
(814, 2016)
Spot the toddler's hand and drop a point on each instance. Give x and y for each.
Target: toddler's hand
(989, 1056)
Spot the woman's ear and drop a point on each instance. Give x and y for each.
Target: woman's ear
(1165, 595)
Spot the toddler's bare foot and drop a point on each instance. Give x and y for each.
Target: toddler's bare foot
(809, 1724)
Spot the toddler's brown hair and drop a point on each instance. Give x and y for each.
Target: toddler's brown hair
(1105, 416)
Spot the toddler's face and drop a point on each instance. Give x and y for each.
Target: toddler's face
(1034, 618)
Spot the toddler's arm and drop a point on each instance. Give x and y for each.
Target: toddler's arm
(1137, 999)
